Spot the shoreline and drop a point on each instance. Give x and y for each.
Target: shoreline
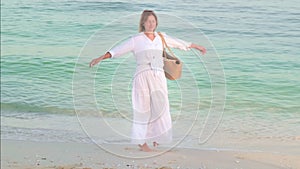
(55, 155)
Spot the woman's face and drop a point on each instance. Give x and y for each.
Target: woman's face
(150, 24)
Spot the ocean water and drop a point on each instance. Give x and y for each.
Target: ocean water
(48, 92)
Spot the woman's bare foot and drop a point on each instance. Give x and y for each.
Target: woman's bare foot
(155, 144)
(145, 147)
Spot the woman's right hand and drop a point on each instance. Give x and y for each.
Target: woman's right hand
(99, 59)
(96, 61)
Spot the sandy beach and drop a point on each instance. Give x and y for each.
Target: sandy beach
(42, 155)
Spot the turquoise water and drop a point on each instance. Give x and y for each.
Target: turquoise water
(257, 43)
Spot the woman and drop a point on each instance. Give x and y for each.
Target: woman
(151, 120)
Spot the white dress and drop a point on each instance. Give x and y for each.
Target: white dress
(150, 103)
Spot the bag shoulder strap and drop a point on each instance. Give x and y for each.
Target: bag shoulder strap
(165, 44)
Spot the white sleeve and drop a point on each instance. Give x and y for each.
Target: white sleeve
(123, 48)
(177, 43)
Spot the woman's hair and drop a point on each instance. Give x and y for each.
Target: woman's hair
(144, 17)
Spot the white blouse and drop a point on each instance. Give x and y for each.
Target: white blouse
(148, 53)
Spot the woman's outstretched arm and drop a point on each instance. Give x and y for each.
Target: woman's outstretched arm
(183, 45)
(116, 51)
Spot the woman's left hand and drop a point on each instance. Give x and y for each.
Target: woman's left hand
(200, 48)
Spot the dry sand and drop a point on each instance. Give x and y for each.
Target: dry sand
(39, 155)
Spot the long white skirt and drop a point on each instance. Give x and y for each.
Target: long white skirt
(151, 120)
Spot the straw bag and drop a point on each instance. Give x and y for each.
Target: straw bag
(172, 65)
